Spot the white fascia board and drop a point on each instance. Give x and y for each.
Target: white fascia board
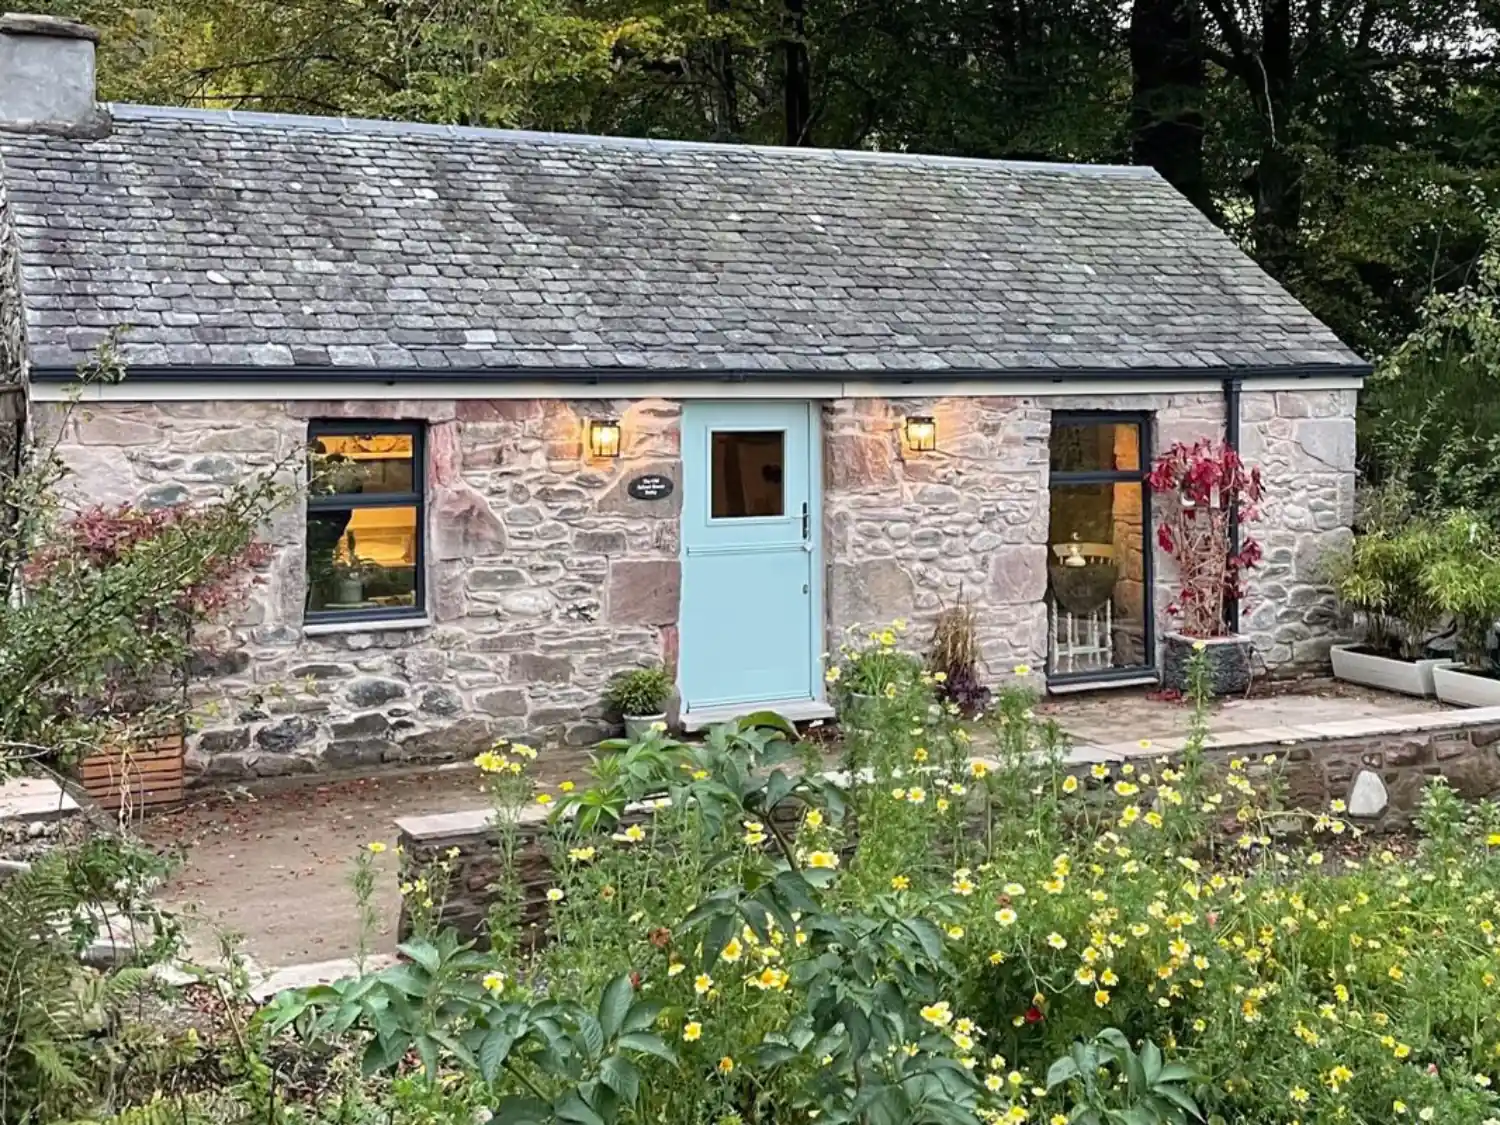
(293, 390)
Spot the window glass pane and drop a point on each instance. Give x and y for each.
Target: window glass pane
(364, 558)
(344, 464)
(1096, 570)
(748, 468)
(1091, 447)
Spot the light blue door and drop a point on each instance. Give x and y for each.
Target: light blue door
(749, 554)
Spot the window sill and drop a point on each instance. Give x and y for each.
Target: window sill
(365, 625)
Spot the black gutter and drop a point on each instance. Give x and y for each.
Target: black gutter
(1232, 387)
(605, 375)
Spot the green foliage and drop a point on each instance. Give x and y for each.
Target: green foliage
(640, 691)
(1431, 418)
(1110, 1083)
(63, 1039)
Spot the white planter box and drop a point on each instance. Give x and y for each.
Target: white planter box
(1409, 677)
(1464, 689)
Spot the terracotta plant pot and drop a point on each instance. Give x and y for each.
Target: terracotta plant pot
(1229, 669)
(1465, 687)
(1354, 665)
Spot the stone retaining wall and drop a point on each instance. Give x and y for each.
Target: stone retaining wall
(1378, 767)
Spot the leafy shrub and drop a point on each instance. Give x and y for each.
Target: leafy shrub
(924, 938)
(640, 691)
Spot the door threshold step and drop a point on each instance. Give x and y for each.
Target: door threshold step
(797, 710)
(1070, 687)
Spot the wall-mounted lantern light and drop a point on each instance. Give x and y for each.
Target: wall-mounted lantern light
(921, 433)
(604, 437)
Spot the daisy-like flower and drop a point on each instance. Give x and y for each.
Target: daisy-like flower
(916, 795)
(1057, 941)
(978, 768)
(823, 861)
(632, 835)
(692, 1031)
(900, 883)
(566, 786)
(732, 951)
(1070, 784)
(555, 894)
(544, 798)
(675, 968)
(493, 983)
(939, 1014)
(726, 1065)
(1005, 916)
(1101, 997)
(955, 932)
(813, 819)
(375, 847)
(580, 855)
(1015, 890)
(702, 983)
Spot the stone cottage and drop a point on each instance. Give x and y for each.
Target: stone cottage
(598, 401)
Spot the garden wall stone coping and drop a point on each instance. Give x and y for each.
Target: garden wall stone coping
(34, 799)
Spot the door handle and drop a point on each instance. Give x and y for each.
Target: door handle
(806, 522)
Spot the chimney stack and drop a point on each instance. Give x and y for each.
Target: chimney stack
(47, 77)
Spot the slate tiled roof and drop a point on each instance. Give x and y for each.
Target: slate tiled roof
(233, 239)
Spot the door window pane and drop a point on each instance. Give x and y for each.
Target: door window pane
(362, 558)
(1093, 447)
(748, 474)
(1096, 570)
(354, 464)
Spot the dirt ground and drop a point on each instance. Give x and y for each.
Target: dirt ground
(273, 865)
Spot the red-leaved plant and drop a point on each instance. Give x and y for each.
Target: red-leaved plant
(1199, 486)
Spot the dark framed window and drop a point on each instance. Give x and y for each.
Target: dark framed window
(365, 521)
(1100, 608)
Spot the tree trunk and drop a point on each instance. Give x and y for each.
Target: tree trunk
(1167, 91)
(727, 107)
(1277, 180)
(796, 74)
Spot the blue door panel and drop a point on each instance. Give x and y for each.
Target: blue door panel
(748, 551)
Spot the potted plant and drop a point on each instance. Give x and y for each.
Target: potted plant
(954, 661)
(1382, 582)
(1200, 489)
(870, 668)
(640, 695)
(348, 575)
(1463, 580)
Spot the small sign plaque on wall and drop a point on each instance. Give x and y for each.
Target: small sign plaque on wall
(650, 486)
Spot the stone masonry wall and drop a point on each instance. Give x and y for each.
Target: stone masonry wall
(1304, 443)
(908, 533)
(544, 577)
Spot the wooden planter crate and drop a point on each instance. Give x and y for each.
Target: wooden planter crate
(141, 776)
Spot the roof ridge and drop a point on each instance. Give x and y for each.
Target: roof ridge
(357, 126)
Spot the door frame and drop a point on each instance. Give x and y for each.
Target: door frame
(817, 576)
(1141, 419)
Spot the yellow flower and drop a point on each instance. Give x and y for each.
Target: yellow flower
(1493, 839)
(1070, 784)
(1101, 997)
(544, 798)
(919, 754)
(955, 932)
(994, 1083)
(1199, 646)
(813, 819)
(555, 894)
(939, 1014)
(1127, 788)
(726, 1064)
(915, 795)
(692, 1031)
(1338, 1077)
(1057, 941)
(580, 855)
(494, 982)
(1015, 890)
(1005, 916)
(770, 978)
(832, 675)
(490, 762)
(1022, 669)
(702, 983)
(732, 951)
(1144, 744)
(521, 750)
(1299, 1096)
(997, 958)
(900, 882)
(1395, 972)
(823, 861)
(632, 835)
(1099, 770)
(674, 968)
(978, 768)
(375, 847)
(1398, 1106)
